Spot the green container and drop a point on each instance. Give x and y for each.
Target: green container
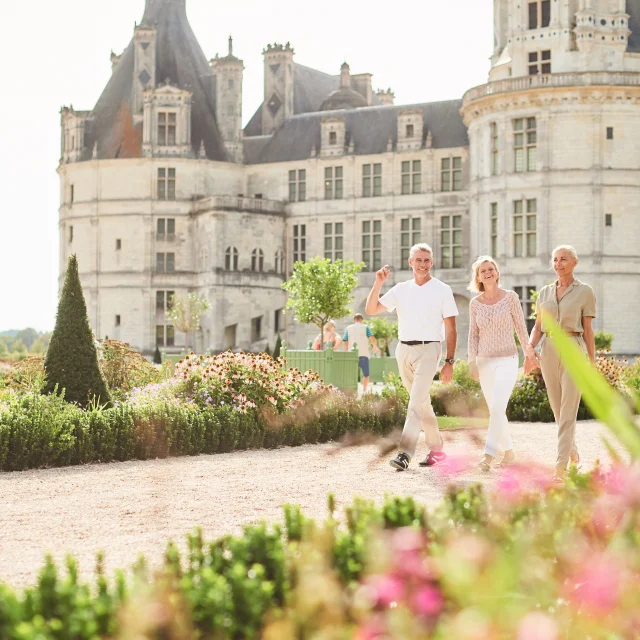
(339, 368)
(379, 367)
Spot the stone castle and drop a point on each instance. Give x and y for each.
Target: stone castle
(163, 191)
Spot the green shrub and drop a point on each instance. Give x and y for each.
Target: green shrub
(72, 360)
(604, 341)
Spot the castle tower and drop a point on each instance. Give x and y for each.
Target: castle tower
(228, 72)
(549, 160)
(278, 86)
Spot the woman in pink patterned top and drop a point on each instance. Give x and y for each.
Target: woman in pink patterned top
(494, 315)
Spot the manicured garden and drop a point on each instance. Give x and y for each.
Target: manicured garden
(534, 560)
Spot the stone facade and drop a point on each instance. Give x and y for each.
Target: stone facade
(162, 192)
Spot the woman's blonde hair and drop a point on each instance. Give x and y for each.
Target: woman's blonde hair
(474, 284)
(565, 247)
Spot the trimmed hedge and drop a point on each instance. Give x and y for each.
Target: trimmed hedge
(38, 431)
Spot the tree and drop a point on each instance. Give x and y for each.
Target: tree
(28, 337)
(38, 347)
(18, 346)
(72, 358)
(320, 290)
(186, 311)
(384, 332)
(157, 356)
(3, 349)
(603, 340)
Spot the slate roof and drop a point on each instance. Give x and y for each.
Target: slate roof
(369, 127)
(180, 60)
(633, 9)
(310, 89)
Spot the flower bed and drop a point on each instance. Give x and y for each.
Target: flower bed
(534, 560)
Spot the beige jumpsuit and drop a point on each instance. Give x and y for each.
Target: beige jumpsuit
(577, 302)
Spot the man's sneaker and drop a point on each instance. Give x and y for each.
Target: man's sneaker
(434, 458)
(400, 462)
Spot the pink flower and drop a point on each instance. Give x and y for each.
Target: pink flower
(453, 465)
(388, 589)
(537, 626)
(622, 481)
(596, 586)
(371, 630)
(428, 601)
(522, 479)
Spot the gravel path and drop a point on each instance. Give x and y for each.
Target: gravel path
(136, 507)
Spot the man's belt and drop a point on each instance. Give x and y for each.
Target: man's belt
(413, 343)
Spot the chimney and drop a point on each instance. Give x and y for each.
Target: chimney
(385, 97)
(361, 82)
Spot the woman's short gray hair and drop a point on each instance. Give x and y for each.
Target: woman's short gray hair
(422, 246)
(565, 247)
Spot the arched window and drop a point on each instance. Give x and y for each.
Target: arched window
(231, 259)
(204, 259)
(257, 260)
(279, 262)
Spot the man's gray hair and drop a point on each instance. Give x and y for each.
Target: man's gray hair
(422, 246)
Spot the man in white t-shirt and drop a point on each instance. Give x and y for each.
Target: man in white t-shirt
(359, 334)
(426, 315)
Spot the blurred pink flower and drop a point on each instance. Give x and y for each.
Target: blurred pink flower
(387, 589)
(537, 626)
(428, 601)
(606, 514)
(623, 481)
(453, 465)
(596, 586)
(521, 479)
(371, 630)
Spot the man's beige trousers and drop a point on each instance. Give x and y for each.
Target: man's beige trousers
(564, 398)
(418, 366)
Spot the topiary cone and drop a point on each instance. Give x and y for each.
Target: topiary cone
(72, 359)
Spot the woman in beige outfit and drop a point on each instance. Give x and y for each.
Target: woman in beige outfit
(572, 304)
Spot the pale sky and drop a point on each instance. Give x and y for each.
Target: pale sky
(56, 52)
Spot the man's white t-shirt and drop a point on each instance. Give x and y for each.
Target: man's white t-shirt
(421, 309)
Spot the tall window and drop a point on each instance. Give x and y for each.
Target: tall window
(539, 62)
(72, 194)
(409, 131)
(524, 144)
(371, 180)
(279, 262)
(524, 228)
(333, 237)
(297, 185)
(70, 234)
(164, 301)
(333, 137)
(166, 129)
(257, 260)
(526, 300)
(166, 184)
(539, 14)
(256, 329)
(299, 243)
(451, 174)
(411, 176)
(231, 259)
(410, 234)
(451, 242)
(494, 229)
(278, 320)
(372, 245)
(333, 185)
(165, 262)
(204, 259)
(165, 335)
(165, 228)
(494, 148)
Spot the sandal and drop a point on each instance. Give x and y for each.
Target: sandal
(485, 463)
(508, 459)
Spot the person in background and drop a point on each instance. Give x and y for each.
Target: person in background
(327, 337)
(426, 317)
(359, 334)
(572, 304)
(494, 315)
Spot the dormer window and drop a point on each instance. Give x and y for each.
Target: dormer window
(409, 131)
(333, 138)
(166, 128)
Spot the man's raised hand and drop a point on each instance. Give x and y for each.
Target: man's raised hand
(383, 274)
